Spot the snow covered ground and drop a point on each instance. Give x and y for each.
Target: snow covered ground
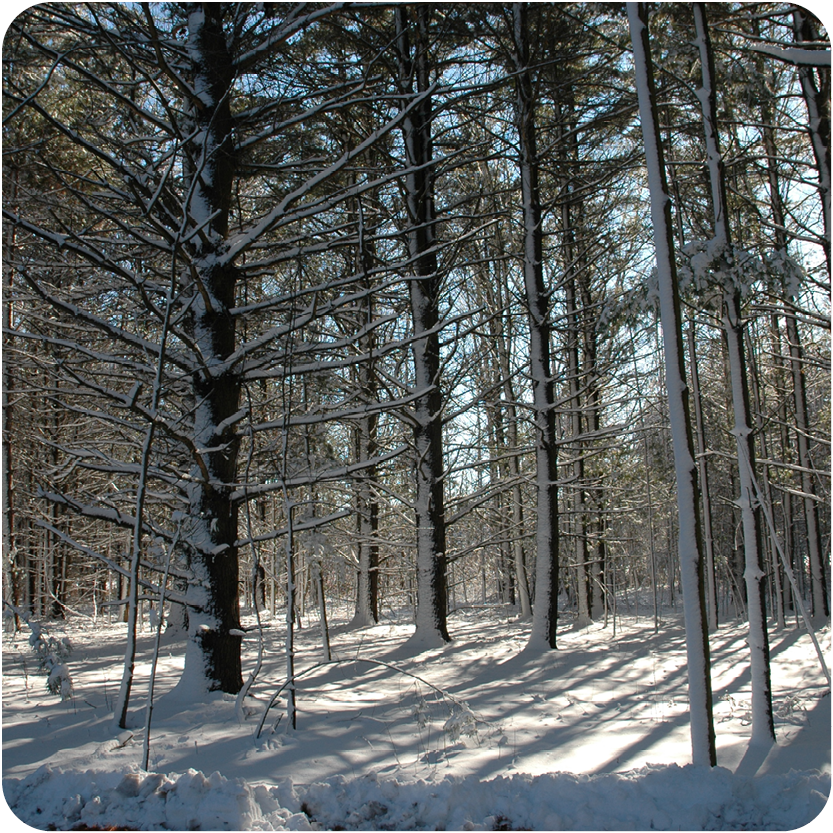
(593, 736)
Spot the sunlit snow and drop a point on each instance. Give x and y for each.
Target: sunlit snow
(591, 736)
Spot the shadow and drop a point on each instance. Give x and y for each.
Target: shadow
(599, 703)
(753, 759)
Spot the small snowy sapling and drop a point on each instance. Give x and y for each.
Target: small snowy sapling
(51, 653)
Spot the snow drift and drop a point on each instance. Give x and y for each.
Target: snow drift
(654, 797)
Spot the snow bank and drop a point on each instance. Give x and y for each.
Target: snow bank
(653, 797)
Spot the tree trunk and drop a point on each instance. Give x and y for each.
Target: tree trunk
(11, 566)
(818, 583)
(545, 609)
(503, 340)
(690, 537)
(213, 654)
(772, 562)
(818, 580)
(762, 721)
(424, 288)
(593, 424)
(705, 494)
(779, 224)
(579, 524)
(367, 504)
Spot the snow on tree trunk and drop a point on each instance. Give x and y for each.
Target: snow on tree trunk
(213, 654)
(753, 574)
(690, 538)
(545, 610)
(762, 725)
(424, 286)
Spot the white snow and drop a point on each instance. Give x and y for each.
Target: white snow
(592, 736)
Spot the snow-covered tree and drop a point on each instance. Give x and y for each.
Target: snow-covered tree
(202, 170)
(690, 533)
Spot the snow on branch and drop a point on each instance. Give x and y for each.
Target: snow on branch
(291, 25)
(248, 492)
(341, 414)
(102, 513)
(242, 242)
(795, 55)
(297, 526)
(79, 313)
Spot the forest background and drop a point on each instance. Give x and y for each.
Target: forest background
(358, 304)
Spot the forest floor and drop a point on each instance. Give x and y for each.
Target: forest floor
(478, 734)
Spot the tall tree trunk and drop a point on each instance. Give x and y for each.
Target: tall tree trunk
(776, 594)
(690, 537)
(488, 369)
(820, 130)
(513, 473)
(366, 438)
(593, 423)
(708, 538)
(367, 520)
(733, 325)
(518, 559)
(779, 226)
(577, 296)
(786, 449)
(213, 655)
(501, 334)
(12, 573)
(545, 609)
(424, 288)
(579, 524)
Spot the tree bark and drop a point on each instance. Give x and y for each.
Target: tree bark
(545, 609)
(367, 504)
(424, 290)
(213, 655)
(818, 580)
(708, 538)
(690, 536)
(733, 325)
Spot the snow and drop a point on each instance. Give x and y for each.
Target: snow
(796, 55)
(592, 736)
